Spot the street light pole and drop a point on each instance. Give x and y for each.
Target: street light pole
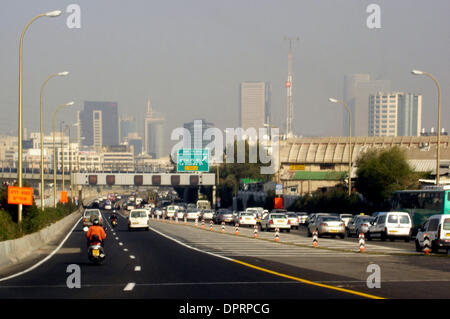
(438, 150)
(54, 150)
(42, 134)
(349, 143)
(19, 164)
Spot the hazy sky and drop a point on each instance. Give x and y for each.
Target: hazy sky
(189, 56)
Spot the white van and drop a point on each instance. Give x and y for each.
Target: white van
(390, 225)
(138, 219)
(437, 229)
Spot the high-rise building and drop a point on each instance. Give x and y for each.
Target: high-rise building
(383, 118)
(395, 114)
(409, 114)
(254, 104)
(127, 125)
(153, 132)
(101, 129)
(357, 88)
(197, 129)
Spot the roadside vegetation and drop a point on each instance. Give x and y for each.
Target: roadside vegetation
(33, 218)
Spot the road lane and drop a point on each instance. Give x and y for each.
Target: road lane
(167, 270)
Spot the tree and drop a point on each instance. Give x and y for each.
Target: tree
(382, 172)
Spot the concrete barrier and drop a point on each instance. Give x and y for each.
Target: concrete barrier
(15, 250)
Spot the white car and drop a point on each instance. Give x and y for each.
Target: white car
(247, 218)
(158, 212)
(90, 214)
(390, 225)
(192, 214)
(207, 214)
(437, 228)
(275, 220)
(180, 213)
(108, 205)
(171, 210)
(138, 219)
(346, 218)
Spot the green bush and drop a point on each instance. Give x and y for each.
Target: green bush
(33, 218)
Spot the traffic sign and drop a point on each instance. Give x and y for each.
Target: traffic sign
(20, 195)
(64, 197)
(193, 160)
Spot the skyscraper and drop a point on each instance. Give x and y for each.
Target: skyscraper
(409, 114)
(357, 88)
(196, 129)
(127, 125)
(254, 104)
(101, 129)
(383, 118)
(153, 132)
(395, 114)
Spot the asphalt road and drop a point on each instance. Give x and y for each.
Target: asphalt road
(145, 264)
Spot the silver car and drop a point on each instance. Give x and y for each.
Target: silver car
(359, 224)
(327, 225)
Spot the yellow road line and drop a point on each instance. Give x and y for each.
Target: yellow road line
(308, 282)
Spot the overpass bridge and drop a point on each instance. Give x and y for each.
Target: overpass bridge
(115, 178)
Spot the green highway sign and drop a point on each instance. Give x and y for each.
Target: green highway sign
(193, 160)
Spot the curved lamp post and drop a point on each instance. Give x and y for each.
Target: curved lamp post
(438, 155)
(349, 143)
(55, 13)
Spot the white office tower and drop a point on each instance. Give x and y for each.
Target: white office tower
(254, 104)
(395, 114)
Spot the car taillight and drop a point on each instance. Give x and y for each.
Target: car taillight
(270, 221)
(342, 224)
(289, 221)
(298, 220)
(240, 218)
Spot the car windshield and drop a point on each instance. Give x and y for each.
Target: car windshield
(278, 216)
(139, 214)
(248, 214)
(329, 219)
(91, 213)
(402, 219)
(292, 215)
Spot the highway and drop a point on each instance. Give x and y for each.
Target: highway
(145, 264)
(177, 261)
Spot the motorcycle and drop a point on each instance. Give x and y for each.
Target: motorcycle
(96, 253)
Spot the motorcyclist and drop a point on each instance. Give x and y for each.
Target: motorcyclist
(96, 232)
(113, 216)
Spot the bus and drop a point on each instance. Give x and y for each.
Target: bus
(421, 204)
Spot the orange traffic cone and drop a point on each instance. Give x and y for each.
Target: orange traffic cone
(362, 243)
(315, 240)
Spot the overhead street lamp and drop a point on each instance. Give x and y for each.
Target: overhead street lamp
(438, 150)
(350, 155)
(54, 150)
(42, 134)
(19, 164)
